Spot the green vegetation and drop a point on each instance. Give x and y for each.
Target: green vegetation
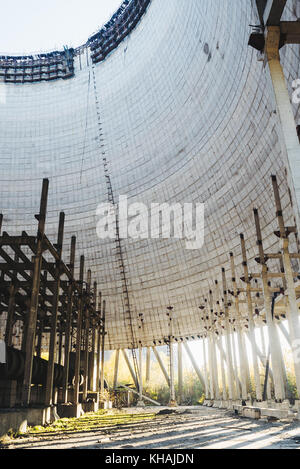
(90, 422)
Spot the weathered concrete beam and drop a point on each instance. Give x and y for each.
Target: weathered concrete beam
(273, 12)
(194, 363)
(162, 366)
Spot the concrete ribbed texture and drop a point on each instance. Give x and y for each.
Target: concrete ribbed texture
(187, 115)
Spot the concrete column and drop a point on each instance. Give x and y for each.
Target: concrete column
(215, 390)
(140, 378)
(99, 335)
(162, 366)
(205, 368)
(194, 363)
(148, 364)
(94, 330)
(231, 387)
(222, 363)
(235, 366)
(117, 361)
(258, 389)
(273, 335)
(103, 347)
(288, 139)
(244, 364)
(172, 380)
(263, 343)
(32, 319)
(293, 309)
(87, 339)
(69, 323)
(180, 374)
(131, 370)
(79, 334)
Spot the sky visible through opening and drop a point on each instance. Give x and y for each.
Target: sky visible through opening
(33, 26)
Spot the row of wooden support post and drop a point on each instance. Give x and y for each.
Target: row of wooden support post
(55, 308)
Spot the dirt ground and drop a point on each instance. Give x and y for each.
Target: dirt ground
(201, 428)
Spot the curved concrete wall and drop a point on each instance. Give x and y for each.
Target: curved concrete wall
(187, 115)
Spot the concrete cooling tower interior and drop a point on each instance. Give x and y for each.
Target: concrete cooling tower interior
(167, 104)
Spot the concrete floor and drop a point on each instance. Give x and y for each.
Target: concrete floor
(204, 428)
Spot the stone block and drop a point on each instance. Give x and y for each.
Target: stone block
(251, 412)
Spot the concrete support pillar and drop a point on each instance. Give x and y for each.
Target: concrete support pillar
(162, 366)
(258, 388)
(53, 331)
(116, 371)
(140, 377)
(230, 372)
(214, 382)
(69, 323)
(275, 347)
(93, 354)
(222, 363)
(293, 309)
(244, 364)
(172, 377)
(263, 342)
(99, 335)
(235, 366)
(194, 363)
(87, 339)
(10, 315)
(180, 374)
(103, 347)
(32, 319)
(79, 334)
(40, 338)
(148, 364)
(205, 368)
(288, 138)
(131, 370)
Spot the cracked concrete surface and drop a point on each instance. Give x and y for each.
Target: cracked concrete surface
(201, 428)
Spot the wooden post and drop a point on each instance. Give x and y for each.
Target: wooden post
(53, 336)
(69, 322)
(78, 334)
(31, 325)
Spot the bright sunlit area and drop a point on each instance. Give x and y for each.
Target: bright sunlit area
(33, 26)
